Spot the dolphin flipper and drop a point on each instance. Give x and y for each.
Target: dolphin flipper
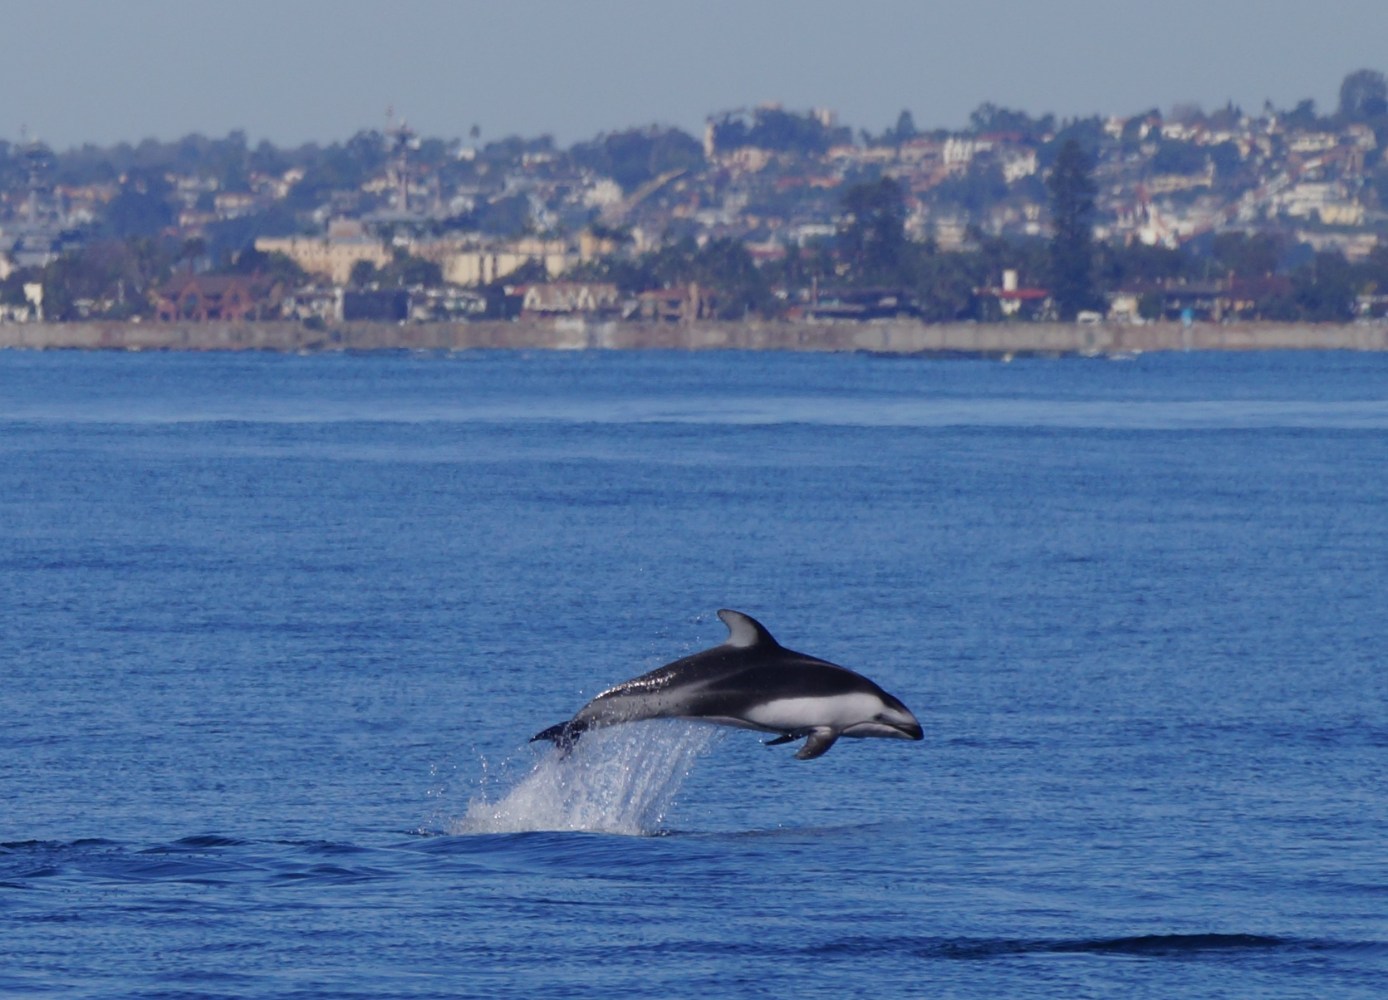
(821, 739)
(779, 740)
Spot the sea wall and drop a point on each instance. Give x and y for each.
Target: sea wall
(897, 337)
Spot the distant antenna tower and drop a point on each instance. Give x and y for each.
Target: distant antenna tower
(38, 162)
(400, 139)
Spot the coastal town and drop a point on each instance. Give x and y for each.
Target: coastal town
(771, 214)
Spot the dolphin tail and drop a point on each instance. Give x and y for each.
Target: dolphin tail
(563, 736)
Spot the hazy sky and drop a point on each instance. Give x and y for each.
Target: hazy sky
(290, 71)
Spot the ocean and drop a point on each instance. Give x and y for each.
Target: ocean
(275, 632)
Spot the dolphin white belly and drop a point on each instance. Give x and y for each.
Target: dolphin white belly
(753, 682)
(788, 715)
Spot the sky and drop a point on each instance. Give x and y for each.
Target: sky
(294, 71)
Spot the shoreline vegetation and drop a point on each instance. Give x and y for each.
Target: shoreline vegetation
(1004, 340)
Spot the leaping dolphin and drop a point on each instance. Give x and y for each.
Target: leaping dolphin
(752, 682)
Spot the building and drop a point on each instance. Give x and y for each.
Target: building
(676, 305)
(564, 298)
(328, 257)
(1013, 301)
(478, 266)
(199, 298)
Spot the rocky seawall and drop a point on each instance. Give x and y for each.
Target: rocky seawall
(895, 337)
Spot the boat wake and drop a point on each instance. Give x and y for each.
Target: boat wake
(619, 780)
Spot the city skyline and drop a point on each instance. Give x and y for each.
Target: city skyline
(309, 71)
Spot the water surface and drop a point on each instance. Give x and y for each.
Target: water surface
(276, 631)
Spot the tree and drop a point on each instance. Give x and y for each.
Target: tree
(1324, 289)
(107, 278)
(1087, 132)
(363, 273)
(12, 285)
(774, 129)
(1176, 157)
(976, 191)
(872, 236)
(1363, 95)
(191, 251)
(1139, 264)
(1072, 190)
(944, 283)
(409, 271)
(989, 117)
(227, 236)
(505, 215)
(905, 127)
(1248, 255)
(725, 265)
(276, 266)
(1137, 128)
(1303, 116)
(141, 208)
(803, 266)
(633, 157)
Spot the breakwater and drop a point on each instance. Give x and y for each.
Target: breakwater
(894, 337)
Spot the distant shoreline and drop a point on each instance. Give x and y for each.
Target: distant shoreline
(887, 337)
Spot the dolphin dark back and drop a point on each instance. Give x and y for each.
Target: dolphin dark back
(751, 681)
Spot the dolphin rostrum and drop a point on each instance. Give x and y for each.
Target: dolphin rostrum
(752, 682)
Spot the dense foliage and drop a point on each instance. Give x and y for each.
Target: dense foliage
(1071, 186)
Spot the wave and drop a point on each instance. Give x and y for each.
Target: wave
(204, 859)
(1195, 945)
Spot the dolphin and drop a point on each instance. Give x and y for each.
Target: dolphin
(753, 682)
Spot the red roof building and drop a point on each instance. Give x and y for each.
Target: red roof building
(199, 298)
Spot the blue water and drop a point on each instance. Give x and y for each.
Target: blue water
(274, 632)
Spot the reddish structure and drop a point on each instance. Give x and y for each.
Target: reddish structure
(198, 298)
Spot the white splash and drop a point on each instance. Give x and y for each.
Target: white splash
(620, 780)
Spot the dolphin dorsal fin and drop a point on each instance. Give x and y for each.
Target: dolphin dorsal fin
(744, 631)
